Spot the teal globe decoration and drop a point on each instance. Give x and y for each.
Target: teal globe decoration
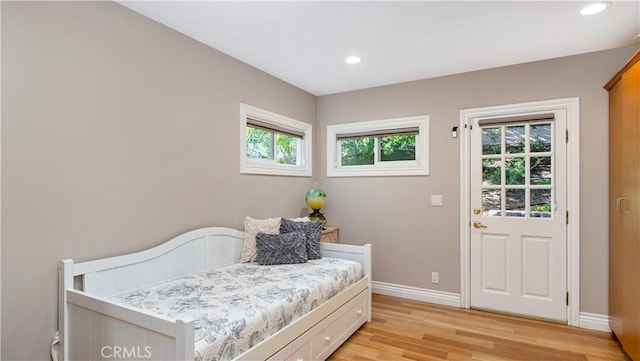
(316, 199)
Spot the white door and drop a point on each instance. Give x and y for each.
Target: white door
(518, 216)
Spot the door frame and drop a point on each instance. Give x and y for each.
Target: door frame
(572, 107)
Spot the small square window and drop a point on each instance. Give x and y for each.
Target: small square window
(287, 148)
(259, 143)
(273, 144)
(357, 151)
(397, 147)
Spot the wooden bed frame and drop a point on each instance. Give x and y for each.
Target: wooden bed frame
(91, 327)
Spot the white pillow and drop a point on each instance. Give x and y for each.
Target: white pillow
(251, 228)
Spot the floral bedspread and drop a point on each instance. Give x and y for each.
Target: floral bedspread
(237, 306)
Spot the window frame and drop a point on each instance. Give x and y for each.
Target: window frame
(417, 167)
(269, 166)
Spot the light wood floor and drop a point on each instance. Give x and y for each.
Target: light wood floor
(403, 329)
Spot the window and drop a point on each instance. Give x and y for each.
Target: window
(392, 147)
(273, 144)
(518, 167)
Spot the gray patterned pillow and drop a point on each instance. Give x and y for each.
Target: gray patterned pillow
(313, 231)
(285, 248)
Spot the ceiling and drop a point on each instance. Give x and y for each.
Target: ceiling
(305, 43)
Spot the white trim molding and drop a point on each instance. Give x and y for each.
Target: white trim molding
(572, 107)
(593, 321)
(590, 321)
(415, 293)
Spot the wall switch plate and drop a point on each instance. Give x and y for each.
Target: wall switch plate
(435, 277)
(436, 200)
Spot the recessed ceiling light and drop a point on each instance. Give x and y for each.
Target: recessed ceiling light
(352, 60)
(595, 8)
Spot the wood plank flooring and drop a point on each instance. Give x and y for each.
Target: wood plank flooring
(407, 330)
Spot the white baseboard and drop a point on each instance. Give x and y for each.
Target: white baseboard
(415, 293)
(586, 320)
(594, 321)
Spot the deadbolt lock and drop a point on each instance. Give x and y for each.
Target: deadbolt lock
(476, 211)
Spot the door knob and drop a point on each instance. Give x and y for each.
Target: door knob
(477, 224)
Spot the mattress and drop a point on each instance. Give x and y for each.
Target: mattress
(237, 306)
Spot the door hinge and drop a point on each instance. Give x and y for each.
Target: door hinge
(567, 298)
(567, 217)
(567, 135)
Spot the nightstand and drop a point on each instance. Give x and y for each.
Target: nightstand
(329, 235)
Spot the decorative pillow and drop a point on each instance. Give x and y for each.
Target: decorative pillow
(300, 219)
(285, 248)
(251, 228)
(312, 230)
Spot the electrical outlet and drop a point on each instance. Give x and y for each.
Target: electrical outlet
(436, 200)
(435, 277)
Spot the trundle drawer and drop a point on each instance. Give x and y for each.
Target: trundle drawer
(327, 335)
(334, 330)
(298, 350)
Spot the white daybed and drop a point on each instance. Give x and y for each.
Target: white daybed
(94, 327)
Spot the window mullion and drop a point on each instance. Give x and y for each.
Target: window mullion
(527, 171)
(273, 146)
(299, 157)
(376, 151)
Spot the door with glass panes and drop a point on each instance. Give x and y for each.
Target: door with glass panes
(518, 217)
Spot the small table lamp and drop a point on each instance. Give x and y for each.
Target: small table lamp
(316, 199)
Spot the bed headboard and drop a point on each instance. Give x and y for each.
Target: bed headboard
(196, 251)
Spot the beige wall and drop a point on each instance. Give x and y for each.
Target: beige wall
(117, 134)
(410, 238)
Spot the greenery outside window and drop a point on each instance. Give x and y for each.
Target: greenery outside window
(378, 148)
(273, 144)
